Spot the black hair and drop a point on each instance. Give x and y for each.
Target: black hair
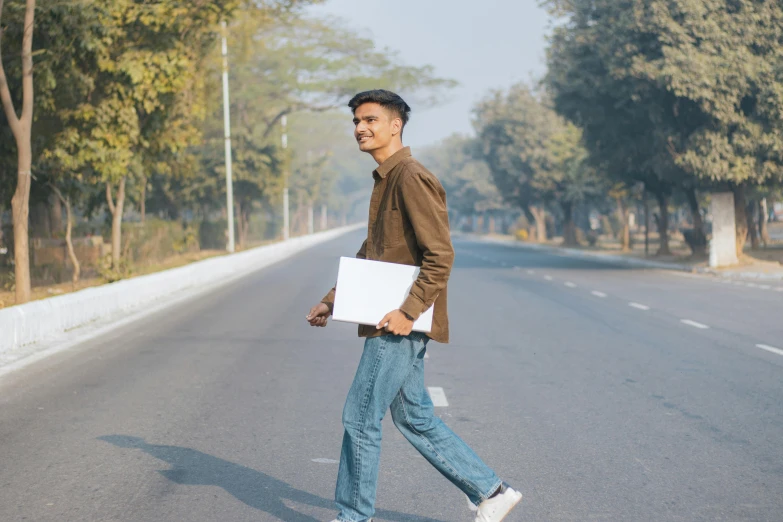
(386, 99)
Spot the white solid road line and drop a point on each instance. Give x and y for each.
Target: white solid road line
(438, 397)
(639, 306)
(326, 461)
(771, 349)
(598, 294)
(569, 284)
(694, 324)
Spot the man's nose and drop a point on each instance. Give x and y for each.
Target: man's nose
(361, 127)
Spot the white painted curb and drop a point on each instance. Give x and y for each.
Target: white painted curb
(50, 318)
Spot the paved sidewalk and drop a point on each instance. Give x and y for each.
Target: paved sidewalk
(758, 270)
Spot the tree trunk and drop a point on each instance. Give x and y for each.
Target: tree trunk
(763, 217)
(68, 234)
(740, 219)
(239, 226)
(699, 238)
(21, 211)
(646, 225)
(539, 217)
(55, 215)
(663, 223)
(625, 233)
(69, 242)
(21, 129)
(750, 215)
(143, 202)
(116, 222)
(569, 226)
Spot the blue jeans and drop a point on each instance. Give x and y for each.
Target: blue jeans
(391, 375)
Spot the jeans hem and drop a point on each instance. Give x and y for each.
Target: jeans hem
(491, 491)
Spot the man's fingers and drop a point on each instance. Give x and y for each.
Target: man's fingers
(384, 321)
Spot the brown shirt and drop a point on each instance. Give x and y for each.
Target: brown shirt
(409, 225)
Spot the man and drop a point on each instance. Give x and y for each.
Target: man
(408, 224)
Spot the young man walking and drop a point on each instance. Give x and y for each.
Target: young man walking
(408, 224)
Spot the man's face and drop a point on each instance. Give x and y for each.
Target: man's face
(375, 127)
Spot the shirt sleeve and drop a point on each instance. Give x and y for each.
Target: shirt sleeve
(328, 299)
(424, 201)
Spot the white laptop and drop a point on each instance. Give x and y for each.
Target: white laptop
(368, 290)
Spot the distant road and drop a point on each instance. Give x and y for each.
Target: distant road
(602, 393)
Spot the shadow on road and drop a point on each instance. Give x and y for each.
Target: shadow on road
(257, 490)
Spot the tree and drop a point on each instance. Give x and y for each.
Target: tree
(304, 68)
(466, 179)
(640, 77)
(21, 126)
(506, 128)
(536, 158)
(738, 140)
(627, 123)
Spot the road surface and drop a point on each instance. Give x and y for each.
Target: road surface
(601, 393)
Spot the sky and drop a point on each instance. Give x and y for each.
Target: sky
(484, 45)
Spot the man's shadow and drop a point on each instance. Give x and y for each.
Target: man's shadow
(257, 490)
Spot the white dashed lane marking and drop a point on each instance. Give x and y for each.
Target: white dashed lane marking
(770, 349)
(639, 306)
(438, 397)
(598, 294)
(694, 324)
(569, 284)
(548, 277)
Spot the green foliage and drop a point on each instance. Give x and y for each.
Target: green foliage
(130, 90)
(535, 156)
(467, 180)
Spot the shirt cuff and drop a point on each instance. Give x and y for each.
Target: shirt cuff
(413, 307)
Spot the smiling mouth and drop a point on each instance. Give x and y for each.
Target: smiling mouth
(363, 139)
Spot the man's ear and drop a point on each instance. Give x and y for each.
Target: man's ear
(396, 126)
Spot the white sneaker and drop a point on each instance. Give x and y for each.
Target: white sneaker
(496, 508)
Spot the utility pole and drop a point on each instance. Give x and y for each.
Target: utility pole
(227, 134)
(286, 232)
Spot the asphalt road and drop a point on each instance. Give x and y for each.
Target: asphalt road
(601, 393)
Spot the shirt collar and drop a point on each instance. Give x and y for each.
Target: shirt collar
(384, 168)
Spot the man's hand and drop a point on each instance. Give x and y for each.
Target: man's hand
(318, 315)
(397, 323)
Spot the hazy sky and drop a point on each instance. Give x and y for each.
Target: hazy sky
(484, 45)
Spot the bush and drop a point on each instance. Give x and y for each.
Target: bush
(212, 236)
(157, 239)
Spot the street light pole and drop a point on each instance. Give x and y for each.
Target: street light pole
(286, 232)
(227, 135)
